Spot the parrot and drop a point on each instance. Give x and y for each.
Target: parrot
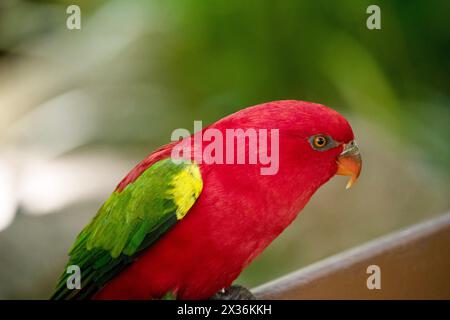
(187, 229)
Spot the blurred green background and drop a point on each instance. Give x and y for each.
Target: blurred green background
(78, 108)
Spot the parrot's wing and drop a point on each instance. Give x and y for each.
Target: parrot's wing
(129, 222)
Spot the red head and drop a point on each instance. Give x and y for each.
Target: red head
(313, 138)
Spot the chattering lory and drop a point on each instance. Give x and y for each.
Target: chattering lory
(180, 227)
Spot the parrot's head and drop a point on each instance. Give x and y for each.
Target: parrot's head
(324, 139)
(313, 137)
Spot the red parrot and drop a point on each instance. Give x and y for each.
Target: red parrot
(187, 229)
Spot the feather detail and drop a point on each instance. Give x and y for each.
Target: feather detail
(129, 222)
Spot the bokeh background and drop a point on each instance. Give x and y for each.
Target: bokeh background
(79, 108)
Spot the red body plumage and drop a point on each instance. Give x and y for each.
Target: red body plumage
(239, 211)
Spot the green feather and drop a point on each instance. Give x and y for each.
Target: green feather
(129, 222)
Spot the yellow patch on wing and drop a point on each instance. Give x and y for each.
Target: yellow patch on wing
(187, 185)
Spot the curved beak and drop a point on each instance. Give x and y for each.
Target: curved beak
(349, 163)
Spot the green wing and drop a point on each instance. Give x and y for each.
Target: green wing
(129, 222)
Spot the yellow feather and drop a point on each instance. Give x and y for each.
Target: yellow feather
(187, 185)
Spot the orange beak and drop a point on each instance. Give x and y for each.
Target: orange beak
(349, 163)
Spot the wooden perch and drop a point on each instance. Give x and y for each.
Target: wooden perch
(414, 264)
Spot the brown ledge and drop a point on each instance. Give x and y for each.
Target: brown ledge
(414, 264)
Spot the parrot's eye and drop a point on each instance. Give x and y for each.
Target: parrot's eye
(321, 142)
